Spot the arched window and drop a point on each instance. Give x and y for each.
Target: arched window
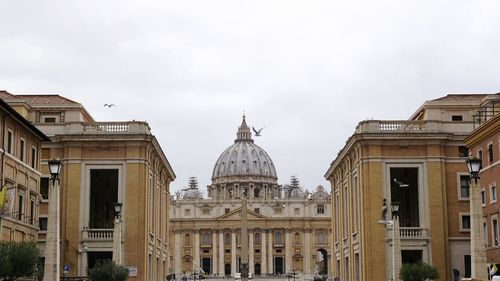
(206, 238)
(321, 238)
(257, 238)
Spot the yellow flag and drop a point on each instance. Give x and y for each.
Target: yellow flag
(3, 191)
(493, 269)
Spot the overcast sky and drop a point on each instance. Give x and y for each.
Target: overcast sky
(308, 71)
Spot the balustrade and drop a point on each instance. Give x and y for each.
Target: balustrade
(98, 234)
(413, 233)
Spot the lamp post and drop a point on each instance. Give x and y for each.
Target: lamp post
(477, 243)
(396, 241)
(117, 234)
(52, 246)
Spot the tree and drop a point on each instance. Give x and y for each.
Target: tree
(419, 271)
(18, 259)
(107, 270)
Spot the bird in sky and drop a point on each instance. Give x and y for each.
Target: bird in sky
(401, 184)
(109, 105)
(257, 132)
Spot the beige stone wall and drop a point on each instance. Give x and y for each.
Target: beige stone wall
(436, 158)
(22, 177)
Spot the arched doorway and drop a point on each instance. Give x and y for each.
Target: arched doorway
(322, 261)
(227, 269)
(278, 265)
(257, 269)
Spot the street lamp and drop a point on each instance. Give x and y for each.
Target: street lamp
(477, 242)
(52, 246)
(396, 241)
(474, 166)
(118, 209)
(117, 234)
(54, 169)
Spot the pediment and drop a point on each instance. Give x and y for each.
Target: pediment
(235, 215)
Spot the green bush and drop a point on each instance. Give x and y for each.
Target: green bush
(419, 271)
(107, 270)
(18, 259)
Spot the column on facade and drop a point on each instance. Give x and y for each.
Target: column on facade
(270, 252)
(221, 252)
(214, 253)
(196, 249)
(263, 252)
(177, 253)
(83, 262)
(288, 251)
(251, 251)
(307, 251)
(233, 252)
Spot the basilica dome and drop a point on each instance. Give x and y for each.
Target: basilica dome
(244, 158)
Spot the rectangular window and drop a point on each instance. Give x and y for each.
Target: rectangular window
(464, 187)
(44, 188)
(42, 223)
(10, 136)
(463, 151)
(457, 118)
(483, 198)
(32, 212)
(485, 233)
(320, 209)
(468, 266)
(490, 153)
(49, 120)
(296, 211)
(278, 211)
(495, 231)
(465, 222)
(20, 207)
(206, 211)
(493, 194)
(480, 157)
(187, 212)
(257, 210)
(21, 149)
(226, 210)
(33, 158)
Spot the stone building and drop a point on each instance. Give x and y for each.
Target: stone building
(419, 163)
(103, 163)
(20, 176)
(484, 143)
(288, 228)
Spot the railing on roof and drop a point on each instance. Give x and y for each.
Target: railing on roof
(413, 126)
(487, 111)
(95, 128)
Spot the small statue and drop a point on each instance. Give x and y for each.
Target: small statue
(384, 211)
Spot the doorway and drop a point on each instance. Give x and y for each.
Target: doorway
(206, 265)
(278, 265)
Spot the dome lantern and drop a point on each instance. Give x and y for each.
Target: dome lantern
(244, 133)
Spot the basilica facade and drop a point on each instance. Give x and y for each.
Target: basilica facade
(288, 228)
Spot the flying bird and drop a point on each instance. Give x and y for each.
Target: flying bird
(109, 105)
(257, 132)
(401, 184)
